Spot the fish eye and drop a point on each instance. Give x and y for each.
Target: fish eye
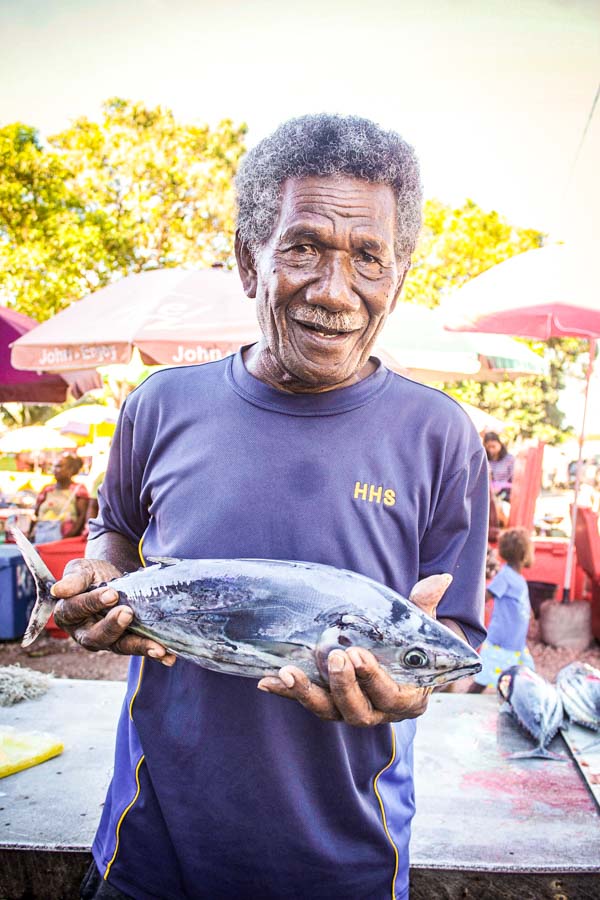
(416, 658)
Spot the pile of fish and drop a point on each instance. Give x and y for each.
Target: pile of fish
(579, 688)
(540, 708)
(251, 616)
(536, 706)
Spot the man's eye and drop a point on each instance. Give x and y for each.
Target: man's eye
(303, 249)
(365, 257)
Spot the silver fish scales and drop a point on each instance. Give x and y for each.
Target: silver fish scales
(249, 617)
(536, 706)
(579, 687)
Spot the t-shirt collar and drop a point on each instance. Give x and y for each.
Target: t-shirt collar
(325, 404)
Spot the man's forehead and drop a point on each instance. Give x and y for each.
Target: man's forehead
(338, 195)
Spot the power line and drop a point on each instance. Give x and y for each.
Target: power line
(584, 135)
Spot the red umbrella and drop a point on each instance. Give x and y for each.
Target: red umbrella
(550, 292)
(173, 316)
(35, 387)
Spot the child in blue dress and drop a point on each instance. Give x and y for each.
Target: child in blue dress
(505, 645)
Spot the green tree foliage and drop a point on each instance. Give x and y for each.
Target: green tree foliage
(166, 187)
(134, 191)
(456, 245)
(50, 244)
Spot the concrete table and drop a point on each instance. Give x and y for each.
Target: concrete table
(486, 827)
(480, 814)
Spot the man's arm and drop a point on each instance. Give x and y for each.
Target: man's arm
(92, 617)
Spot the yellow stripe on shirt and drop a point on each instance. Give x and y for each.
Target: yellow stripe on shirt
(383, 816)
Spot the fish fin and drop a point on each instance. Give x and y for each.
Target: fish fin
(539, 752)
(164, 560)
(44, 579)
(285, 649)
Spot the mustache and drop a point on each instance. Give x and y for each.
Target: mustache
(321, 318)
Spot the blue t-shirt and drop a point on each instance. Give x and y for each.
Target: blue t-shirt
(223, 791)
(512, 610)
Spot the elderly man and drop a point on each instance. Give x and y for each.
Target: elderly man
(302, 446)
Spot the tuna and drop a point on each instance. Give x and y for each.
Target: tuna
(536, 706)
(579, 688)
(249, 617)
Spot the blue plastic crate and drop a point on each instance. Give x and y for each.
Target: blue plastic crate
(17, 593)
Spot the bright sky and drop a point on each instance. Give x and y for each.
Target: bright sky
(494, 94)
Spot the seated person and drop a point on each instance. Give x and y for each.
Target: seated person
(61, 507)
(501, 464)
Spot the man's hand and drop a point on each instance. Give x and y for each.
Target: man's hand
(83, 613)
(362, 693)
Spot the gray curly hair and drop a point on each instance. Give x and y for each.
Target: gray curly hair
(327, 145)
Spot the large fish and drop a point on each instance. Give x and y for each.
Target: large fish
(579, 687)
(536, 706)
(251, 616)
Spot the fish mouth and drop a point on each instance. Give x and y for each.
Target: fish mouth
(455, 674)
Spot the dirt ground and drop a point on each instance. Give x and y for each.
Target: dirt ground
(66, 659)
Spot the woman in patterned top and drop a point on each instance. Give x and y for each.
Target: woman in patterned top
(501, 464)
(61, 507)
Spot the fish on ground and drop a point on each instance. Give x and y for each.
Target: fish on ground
(579, 687)
(536, 706)
(249, 617)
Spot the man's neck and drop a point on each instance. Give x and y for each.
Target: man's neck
(260, 363)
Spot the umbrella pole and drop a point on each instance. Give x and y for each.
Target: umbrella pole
(566, 596)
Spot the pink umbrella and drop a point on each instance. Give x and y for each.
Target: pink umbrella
(173, 316)
(551, 292)
(37, 386)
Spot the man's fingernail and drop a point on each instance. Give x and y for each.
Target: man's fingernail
(354, 657)
(263, 687)
(337, 661)
(109, 597)
(124, 618)
(169, 659)
(266, 684)
(155, 653)
(287, 678)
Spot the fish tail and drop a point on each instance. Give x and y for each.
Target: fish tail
(44, 579)
(539, 753)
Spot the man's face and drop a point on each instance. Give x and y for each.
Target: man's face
(326, 280)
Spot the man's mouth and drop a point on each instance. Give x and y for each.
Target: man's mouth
(323, 332)
(329, 330)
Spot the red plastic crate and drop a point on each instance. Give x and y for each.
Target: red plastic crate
(56, 555)
(550, 564)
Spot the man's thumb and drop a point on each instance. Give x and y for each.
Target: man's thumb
(428, 592)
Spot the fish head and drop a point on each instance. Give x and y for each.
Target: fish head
(431, 655)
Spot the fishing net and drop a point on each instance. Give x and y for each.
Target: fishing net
(18, 684)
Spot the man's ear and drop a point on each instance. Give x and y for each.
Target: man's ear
(246, 266)
(399, 287)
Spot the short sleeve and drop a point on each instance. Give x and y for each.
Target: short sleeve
(120, 506)
(81, 492)
(499, 583)
(456, 542)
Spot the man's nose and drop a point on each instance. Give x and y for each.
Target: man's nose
(333, 289)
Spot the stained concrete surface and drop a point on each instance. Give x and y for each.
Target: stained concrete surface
(487, 827)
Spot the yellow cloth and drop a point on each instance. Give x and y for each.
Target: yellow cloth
(22, 749)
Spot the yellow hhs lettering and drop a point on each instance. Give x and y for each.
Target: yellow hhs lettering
(373, 493)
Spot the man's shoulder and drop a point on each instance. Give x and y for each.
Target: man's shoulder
(432, 402)
(177, 381)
